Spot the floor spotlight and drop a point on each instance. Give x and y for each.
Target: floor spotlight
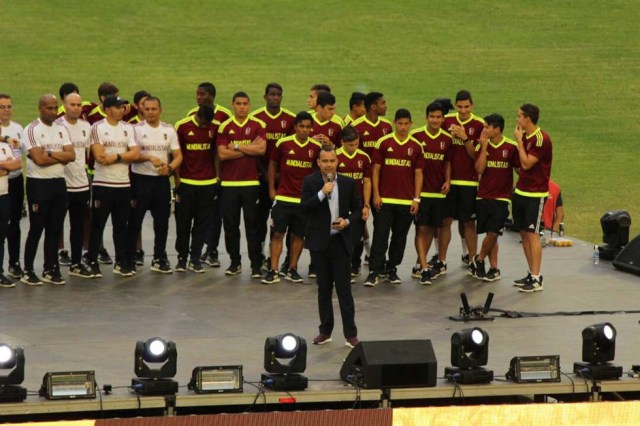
(155, 352)
(285, 356)
(12, 359)
(469, 352)
(598, 348)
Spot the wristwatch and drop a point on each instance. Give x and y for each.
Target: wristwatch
(5, 138)
(236, 147)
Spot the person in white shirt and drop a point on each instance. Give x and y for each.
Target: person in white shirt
(8, 163)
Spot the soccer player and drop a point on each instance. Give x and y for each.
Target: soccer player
(49, 149)
(373, 126)
(241, 143)
(356, 164)
(465, 127)
(12, 132)
(436, 144)
(136, 115)
(97, 112)
(397, 181)
(280, 124)
(150, 187)
(67, 89)
(77, 181)
(197, 188)
(206, 95)
(356, 107)
(496, 158)
(535, 154)
(293, 158)
(327, 126)
(312, 99)
(114, 147)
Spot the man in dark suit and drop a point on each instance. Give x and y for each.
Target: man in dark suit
(332, 203)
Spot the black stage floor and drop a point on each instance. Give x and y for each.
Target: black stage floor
(220, 320)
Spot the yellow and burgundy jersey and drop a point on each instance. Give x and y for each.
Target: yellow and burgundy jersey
(496, 181)
(370, 133)
(295, 160)
(331, 128)
(95, 113)
(240, 171)
(437, 153)
(279, 126)
(220, 113)
(357, 166)
(463, 171)
(535, 181)
(198, 148)
(398, 162)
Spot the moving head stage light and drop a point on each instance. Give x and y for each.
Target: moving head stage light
(155, 381)
(282, 374)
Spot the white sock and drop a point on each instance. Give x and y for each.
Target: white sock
(436, 244)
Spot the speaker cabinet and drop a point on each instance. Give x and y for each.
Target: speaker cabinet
(628, 259)
(391, 364)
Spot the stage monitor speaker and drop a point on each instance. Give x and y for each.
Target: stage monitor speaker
(628, 259)
(391, 364)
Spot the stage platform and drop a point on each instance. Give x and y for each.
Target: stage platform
(219, 320)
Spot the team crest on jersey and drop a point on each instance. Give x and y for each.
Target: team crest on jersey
(210, 133)
(442, 146)
(472, 131)
(165, 136)
(283, 123)
(60, 133)
(360, 164)
(385, 132)
(126, 135)
(330, 132)
(35, 208)
(528, 146)
(84, 134)
(310, 153)
(247, 131)
(410, 152)
(96, 204)
(505, 153)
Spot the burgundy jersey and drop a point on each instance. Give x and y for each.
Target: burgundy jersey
(220, 113)
(535, 181)
(370, 133)
(437, 153)
(497, 179)
(331, 128)
(357, 166)
(463, 170)
(398, 162)
(294, 160)
(198, 148)
(95, 114)
(240, 171)
(278, 126)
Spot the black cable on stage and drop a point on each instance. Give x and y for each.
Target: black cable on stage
(505, 313)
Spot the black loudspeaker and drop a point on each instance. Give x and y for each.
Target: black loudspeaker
(628, 259)
(391, 364)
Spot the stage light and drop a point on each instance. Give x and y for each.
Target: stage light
(615, 233)
(69, 385)
(598, 348)
(285, 356)
(12, 359)
(535, 369)
(155, 381)
(216, 379)
(469, 352)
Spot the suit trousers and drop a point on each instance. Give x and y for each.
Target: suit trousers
(395, 219)
(234, 200)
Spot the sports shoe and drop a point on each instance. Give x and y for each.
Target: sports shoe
(392, 277)
(15, 271)
(6, 282)
(480, 270)
(53, 277)
(532, 286)
(416, 272)
(63, 258)
(434, 259)
(139, 257)
(132, 267)
(122, 269)
(312, 271)
(471, 268)
(355, 271)
(352, 342)
(372, 279)
(79, 270)
(256, 272)
(293, 276)
(425, 277)
(94, 269)
(233, 270)
(161, 265)
(211, 258)
(321, 339)
(181, 266)
(522, 281)
(284, 268)
(266, 264)
(272, 277)
(196, 266)
(493, 274)
(103, 257)
(465, 259)
(30, 278)
(440, 268)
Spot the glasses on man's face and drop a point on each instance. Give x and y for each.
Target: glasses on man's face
(6, 106)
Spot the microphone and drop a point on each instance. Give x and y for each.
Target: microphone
(329, 179)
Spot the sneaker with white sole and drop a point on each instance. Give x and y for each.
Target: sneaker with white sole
(30, 278)
(440, 268)
(372, 279)
(79, 270)
(522, 281)
(53, 277)
(161, 265)
(532, 286)
(493, 274)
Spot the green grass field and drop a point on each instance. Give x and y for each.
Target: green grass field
(578, 61)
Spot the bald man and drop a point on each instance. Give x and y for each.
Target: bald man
(48, 148)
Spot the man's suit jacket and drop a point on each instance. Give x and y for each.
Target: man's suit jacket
(318, 213)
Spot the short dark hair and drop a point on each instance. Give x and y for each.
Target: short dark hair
(209, 88)
(327, 148)
(356, 98)
(349, 133)
(272, 86)
(5, 96)
(301, 116)
(67, 89)
(240, 94)
(446, 103)
(371, 99)
(436, 106)
(531, 111)
(402, 113)
(154, 98)
(205, 112)
(321, 87)
(464, 95)
(495, 120)
(107, 89)
(139, 95)
(325, 98)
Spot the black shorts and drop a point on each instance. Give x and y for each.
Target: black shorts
(288, 216)
(461, 202)
(527, 212)
(432, 212)
(491, 215)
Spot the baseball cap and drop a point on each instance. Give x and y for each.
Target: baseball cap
(112, 100)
